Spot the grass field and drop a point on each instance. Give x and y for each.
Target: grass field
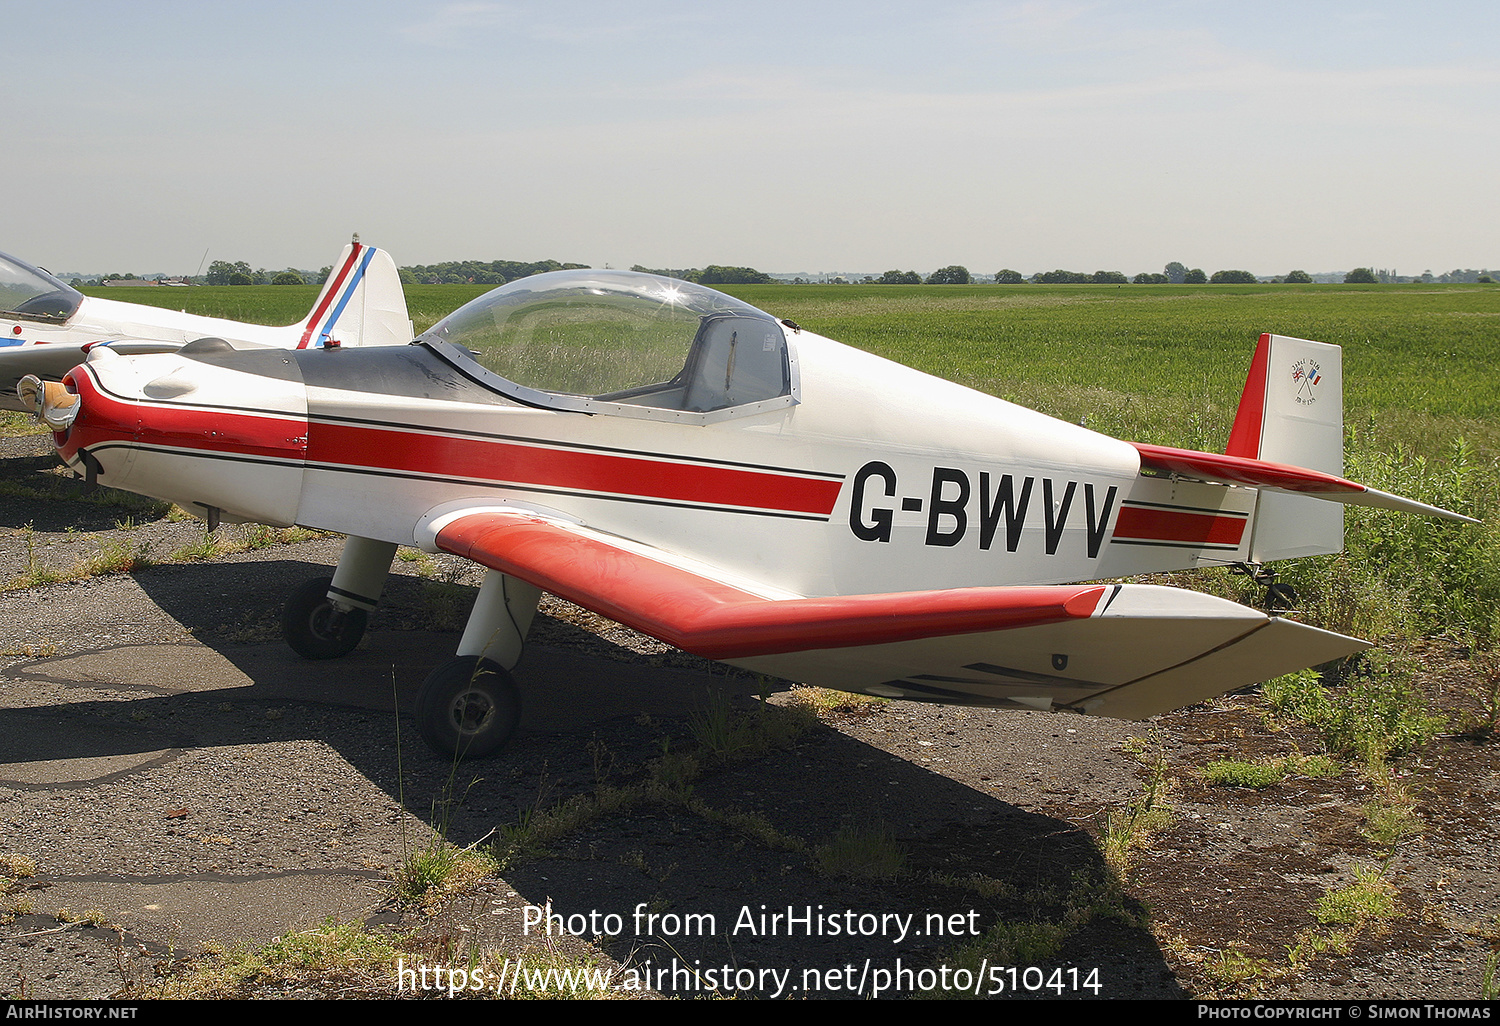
(1165, 364)
(1100, 351)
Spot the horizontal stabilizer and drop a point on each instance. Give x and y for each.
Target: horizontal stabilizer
(1240, 470)
(53, 361)
(1129, 651)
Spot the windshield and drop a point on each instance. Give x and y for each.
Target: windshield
(30, 293)
(623, 337)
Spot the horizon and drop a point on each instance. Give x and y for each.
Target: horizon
(981, 278)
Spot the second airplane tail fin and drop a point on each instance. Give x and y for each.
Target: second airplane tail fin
(361, 304)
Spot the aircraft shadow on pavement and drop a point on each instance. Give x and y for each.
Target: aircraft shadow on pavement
(601, 723)
(65, 506)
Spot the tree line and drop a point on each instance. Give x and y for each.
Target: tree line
(713, 274)
(498, 272)
(1174, 273)
(470, 272)
(479, 272)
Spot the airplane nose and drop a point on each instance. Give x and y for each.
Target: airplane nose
(51, 402)
(79, 414)
(176, 429)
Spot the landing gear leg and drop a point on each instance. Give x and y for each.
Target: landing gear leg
(324, 618)
(469, 706)
(1278, 597)
(500, 618)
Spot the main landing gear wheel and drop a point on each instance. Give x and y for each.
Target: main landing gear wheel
(468, 707)
(314, 628)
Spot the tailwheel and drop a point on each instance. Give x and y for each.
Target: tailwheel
(468, 707)
(314, 627)
(1279, 597)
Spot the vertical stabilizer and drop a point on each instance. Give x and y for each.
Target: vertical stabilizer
(361, 304)
(1292, 412)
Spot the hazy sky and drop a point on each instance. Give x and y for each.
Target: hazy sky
(789, 136)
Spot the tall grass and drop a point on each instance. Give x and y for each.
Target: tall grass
(1378, 716)
(1402, 577)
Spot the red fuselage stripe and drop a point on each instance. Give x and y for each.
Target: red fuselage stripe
(417, 452)
(106, 419)
(1139, 524)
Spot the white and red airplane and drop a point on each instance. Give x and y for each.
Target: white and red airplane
(47, 326)
(685, 464)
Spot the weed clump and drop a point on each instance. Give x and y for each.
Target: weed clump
(866, 851)
(1369, 898)
(1380, 716)
(1391, 816)
(446, 605)
(14, 865)
(725, 734)
(116, 557)
(1260, 775)
(1237, 773)
(1132, 828)
(429, 874)
(827, 702)
(343, 957)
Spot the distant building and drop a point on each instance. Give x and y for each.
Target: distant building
(147, 281)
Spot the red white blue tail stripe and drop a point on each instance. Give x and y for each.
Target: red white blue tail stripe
(320, 323)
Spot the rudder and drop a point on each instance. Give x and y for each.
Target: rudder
(1292, 412)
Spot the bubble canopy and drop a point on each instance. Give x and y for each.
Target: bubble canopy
(621, 342)
(30, 293)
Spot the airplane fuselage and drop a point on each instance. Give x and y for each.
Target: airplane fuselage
(880, 478)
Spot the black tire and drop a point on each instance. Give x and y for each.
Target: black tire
(316, 630)
(1280, 596)
(468, 708)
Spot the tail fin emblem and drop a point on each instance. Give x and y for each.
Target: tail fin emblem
(1305, 377)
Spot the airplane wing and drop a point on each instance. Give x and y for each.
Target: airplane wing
(1122, 650)
(51, 362)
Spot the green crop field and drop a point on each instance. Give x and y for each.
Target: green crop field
(1123, 357)
(1118, 355)
(1165, 364)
